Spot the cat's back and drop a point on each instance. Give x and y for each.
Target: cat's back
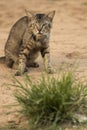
(16, 35)
(19, 27)
(21, 24)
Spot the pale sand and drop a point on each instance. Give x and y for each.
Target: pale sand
(68, 42)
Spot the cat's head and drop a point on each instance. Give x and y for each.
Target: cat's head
(40, 24)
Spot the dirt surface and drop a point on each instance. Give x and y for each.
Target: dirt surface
(68, 43)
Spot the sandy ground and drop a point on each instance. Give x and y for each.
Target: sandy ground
(68, 42)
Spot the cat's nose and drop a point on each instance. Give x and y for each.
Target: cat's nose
(40, 32)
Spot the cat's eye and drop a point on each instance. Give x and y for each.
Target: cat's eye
(46, 27)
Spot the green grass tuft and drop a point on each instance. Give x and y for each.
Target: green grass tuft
(51, 100)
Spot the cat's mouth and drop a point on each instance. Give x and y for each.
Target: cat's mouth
(39, 37)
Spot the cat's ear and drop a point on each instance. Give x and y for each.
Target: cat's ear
(30, 14)
(51, 14)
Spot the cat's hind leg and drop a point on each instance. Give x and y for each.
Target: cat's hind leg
(9, 62)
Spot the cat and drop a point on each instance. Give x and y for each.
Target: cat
(29, 36)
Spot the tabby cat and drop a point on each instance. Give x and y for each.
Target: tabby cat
(29, 36)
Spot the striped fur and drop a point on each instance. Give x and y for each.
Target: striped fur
(29, 36)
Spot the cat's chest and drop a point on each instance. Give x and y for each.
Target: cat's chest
(38, 46)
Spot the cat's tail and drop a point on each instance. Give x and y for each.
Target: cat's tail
(2, 59)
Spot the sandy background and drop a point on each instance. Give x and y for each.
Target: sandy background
(68, 42)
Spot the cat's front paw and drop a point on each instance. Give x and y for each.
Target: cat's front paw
(51, 70)
(19, 73)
